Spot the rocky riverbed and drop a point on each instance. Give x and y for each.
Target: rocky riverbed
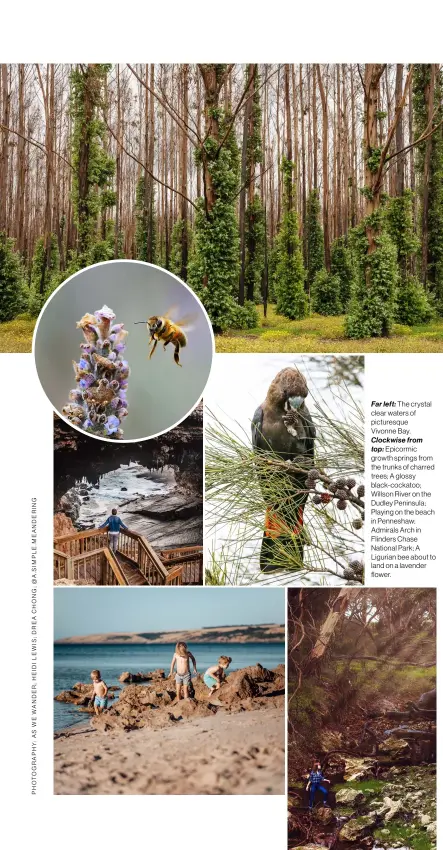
(392, 808)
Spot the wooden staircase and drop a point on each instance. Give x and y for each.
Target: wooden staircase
(86, 558)
(133, 576)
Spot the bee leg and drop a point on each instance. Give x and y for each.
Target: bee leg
(177, 353)
(153, 348)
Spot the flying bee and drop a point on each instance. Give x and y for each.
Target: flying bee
(163, 329)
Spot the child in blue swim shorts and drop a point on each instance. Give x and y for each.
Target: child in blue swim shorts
(100, 692)
(181, 660)
(215, 676)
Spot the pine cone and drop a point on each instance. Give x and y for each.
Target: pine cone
(361, 490)
(357, 523)
(342, 504)
(350, 483)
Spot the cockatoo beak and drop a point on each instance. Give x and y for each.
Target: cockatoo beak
(296, 401)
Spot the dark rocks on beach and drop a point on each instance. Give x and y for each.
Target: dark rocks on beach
(126, 678)
(80, 694)
(155, 705)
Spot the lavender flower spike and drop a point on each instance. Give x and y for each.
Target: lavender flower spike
(98, 402)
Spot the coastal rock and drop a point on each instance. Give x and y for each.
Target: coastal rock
(349, 797)
(239, 686)
(155, 705)
(141, 677)
(81, 694)
(357, 828)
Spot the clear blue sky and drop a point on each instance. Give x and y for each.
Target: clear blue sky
(90, 610)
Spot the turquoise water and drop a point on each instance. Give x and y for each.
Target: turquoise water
(74, 662)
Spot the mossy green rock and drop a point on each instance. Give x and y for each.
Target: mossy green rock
(357, 828)
(349, 796)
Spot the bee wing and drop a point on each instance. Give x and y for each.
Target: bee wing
(186, 322)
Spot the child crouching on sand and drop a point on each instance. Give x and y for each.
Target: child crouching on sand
(100, 692)
(215, 676)
(180, 659)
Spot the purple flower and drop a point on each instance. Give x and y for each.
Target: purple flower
(105, 313)
(111, 425)
(86, 382)
(96, 399)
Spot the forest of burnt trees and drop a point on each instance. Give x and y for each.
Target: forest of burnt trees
(317, 189)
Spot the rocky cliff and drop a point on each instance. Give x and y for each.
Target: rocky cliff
(77, 456)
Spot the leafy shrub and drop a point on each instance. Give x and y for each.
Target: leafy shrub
(325, 294)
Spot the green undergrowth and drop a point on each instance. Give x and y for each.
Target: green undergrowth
(326, 333)
(399, 682)
(394, 832)
(367, 786)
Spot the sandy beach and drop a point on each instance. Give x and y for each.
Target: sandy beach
(148, 742)
(222, 754)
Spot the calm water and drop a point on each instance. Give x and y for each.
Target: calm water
(74, 662)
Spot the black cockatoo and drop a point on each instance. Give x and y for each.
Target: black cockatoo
(283, 426)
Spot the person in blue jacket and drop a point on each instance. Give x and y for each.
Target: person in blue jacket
(316, 783)
(113, 524)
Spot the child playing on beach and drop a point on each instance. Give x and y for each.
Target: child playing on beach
(180, 659)
(100, 692)
(316, 783)
(215, 676)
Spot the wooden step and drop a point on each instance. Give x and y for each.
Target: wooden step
(132, 574)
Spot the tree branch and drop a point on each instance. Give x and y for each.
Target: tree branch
(36, 144)
(182, 124)
(145, 168)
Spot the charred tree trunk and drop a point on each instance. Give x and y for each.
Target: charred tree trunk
(326, 237)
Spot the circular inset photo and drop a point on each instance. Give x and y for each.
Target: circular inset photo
(123, 350)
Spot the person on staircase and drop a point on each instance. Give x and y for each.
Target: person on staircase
(113, 524)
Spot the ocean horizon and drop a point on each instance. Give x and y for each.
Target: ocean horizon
(74, 662)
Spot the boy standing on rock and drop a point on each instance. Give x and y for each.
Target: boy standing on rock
(180, 659)
(100, 692)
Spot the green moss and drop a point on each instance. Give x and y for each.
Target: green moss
(407, 835)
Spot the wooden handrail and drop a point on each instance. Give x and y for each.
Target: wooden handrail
(154, 566)
(175, 575)
(183, 559)
(80, 535)
(84, 555)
